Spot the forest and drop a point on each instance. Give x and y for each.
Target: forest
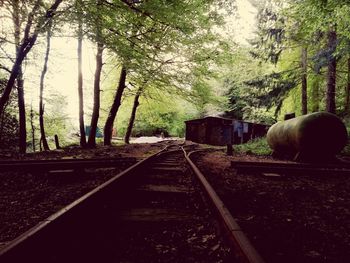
(158, 63)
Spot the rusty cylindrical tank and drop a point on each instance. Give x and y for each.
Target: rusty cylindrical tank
(315, 136)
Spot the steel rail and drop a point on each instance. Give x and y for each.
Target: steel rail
(44, 165)
(245, 250)
(340, 168)
(17, 249)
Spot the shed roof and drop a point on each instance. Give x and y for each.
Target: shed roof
(199, 120)
(209, 117)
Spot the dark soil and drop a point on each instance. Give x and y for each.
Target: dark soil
(294, 218)
(28, 198)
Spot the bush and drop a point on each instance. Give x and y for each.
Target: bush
(256, 146)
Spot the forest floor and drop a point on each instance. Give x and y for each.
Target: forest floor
(28, 198)
(294, 218)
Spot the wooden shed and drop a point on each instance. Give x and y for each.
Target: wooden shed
(209, 130)
(222, 131)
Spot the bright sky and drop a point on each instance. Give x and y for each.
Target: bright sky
(62, 68)
(245, 24)
(62, 74)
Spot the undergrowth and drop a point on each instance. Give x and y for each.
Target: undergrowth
(256, 146)
(346, 150)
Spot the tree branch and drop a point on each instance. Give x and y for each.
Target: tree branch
(5, 68)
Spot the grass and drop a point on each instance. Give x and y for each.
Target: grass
(256, 146)
(346, 150)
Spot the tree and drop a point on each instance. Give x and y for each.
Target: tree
(304, 80)
(96, 107)
(19, 79)
(36, 21)
(42, 78)
(27, 43)
(32, 127)
(347, 89)
(312, 27)
(98, 70)
(132, 116)
(80, 73)
(154, 34)
(319, 21)
(115, 106)
(332, 73)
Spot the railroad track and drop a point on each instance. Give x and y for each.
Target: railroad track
(151, 212)
(64, 164)
(341, 168)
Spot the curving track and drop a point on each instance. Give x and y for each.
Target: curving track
(151, 212)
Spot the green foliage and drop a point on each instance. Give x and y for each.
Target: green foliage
(157, 113)
(8, 122)
(249, 93)
(284, 28)
(258, 146)
(57, 122)
(269, 42)
(308, 23)
(346, 150)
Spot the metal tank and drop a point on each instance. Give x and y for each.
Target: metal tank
(315, 136)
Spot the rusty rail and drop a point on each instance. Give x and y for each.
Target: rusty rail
(26, 245)
(304, 168)
(243, 248)
(45, 165)
(51, 234)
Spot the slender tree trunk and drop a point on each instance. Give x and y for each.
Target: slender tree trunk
(32, 126)
(19, 80)
(315, 94)
(114, 109)
(347, 91)
(96, 108)
(304, 81)
(331, 75)
(97, 79)
(42, 78)
(132, 117)
(80, 77)
(26, 45)
(22, 114)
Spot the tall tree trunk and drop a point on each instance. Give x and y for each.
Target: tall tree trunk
(332, 72)
(26, 45)
(132, 117)
(315, 94)
(114, 109)
(96, 108)
(80, 77)
(347, 91)
(22, 114)
(42, 78)
(304, 81)
(97, 78)
(19, 79)
(32, 126)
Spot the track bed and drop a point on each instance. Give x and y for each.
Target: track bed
(151, 212)
(288, 216)
(164, 218)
